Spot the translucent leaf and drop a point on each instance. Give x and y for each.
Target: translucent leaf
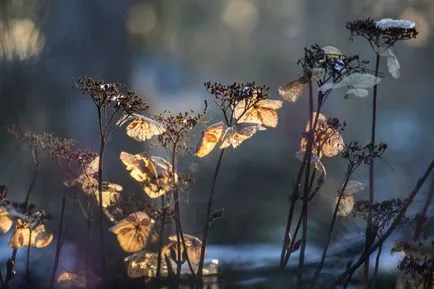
(291, 90)
(133, 231)
(345, 206)
(354, 187)
(142, 128)
(355, 80)
(388, 23)
(393, 64)
(315, 160)
(360, 92)
(210, 137)
(5, 221)
(332, 52)
(141, 168)
(237, 134)
(263, 112)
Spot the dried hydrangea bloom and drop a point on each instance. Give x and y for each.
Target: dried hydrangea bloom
(327, 140)
(23, 236)
(133, 231)
(144, 264)
(210, 137)
(110, 194)
(238, 133)
(142, 128)
(193, 245)
(263, 111)
(356, 83)
(6, 220)
(414, 250)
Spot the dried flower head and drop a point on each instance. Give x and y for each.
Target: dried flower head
(382, 213)
(356, 154)
(27, 235)
(385, 32)
(178, 126)
(416, 273)
(324, 65)
(111, 95)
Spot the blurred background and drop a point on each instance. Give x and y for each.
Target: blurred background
(165, 50)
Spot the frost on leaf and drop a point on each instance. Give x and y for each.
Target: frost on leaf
(388, 23)
(210, 137)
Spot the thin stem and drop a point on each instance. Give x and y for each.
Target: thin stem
(101, 208)
(208, 216)
(28, 259)
(329, 234)
(160, 244)
(377, 265)
(396, 222)
(59, 241)
(371, 179)
(32, 182)
(306, 184)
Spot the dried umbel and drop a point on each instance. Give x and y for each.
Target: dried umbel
(382, 213)
(106, 95)
(133, 231)
(356, 154)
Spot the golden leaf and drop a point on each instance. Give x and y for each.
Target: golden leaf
(143, 128)
(132, 232)
(263, 112)
(22, 237)
(5, 221)
(193, 245)
(346, 205)
(210, 137)
(141, 167)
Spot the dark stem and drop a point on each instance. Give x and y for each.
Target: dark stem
(59, 241)
(86, 257)
(421, 217)
(32, 182)
(396, 222)
(208, 216)
(100, 203)
(377, 265)
(329, 234)
(371, 179)
(160, 243)
(306, 184)
(28, 258)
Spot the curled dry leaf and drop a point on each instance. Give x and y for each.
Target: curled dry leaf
(262, 112)
(154, 173)
(316, 161)
(6, 221)
(133, 231)
(345, 206)
(332, 52)
(23, 236)
(235, 135)
(210, 137)
(142, 128)
(193, 245)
